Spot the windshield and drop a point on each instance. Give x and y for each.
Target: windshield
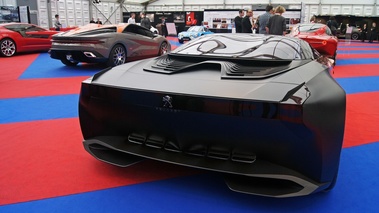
(195, 29)
(244, 47)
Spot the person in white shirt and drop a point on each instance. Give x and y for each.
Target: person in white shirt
(132, 19)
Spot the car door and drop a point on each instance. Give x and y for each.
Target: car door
(142, 43)
(150, 46)
(37, 38)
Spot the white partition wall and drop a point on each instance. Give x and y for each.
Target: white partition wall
(42, 16)
(79, 12)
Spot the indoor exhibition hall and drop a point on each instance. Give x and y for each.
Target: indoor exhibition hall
(189, 106)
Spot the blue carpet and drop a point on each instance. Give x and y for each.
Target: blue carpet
(359, 84)
(208, 193)
(38, 108)
(357, 61)
(46, 67)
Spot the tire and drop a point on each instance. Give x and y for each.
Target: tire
(354, 36)
(334, 58)
(117, 56)
(163, 48)
(181, 41)
(69, 63)
(7, 47)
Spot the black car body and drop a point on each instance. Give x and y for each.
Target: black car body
(263, 110)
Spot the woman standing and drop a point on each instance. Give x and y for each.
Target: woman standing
(276, 25)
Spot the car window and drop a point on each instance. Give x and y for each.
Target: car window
(13, 27)
(306, 50)
(130, 29)
(148, 33)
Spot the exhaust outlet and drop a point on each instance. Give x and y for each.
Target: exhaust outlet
(109, 154)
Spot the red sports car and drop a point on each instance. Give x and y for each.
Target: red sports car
(23, 37)
(319, 36)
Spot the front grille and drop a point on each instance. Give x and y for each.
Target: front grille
(199, 150)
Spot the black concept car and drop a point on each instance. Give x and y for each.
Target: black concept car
(263, 110)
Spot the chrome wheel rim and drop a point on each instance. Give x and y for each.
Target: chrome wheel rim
(8, 47)
(119, 56)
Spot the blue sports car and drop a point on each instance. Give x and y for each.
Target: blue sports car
(193, 32)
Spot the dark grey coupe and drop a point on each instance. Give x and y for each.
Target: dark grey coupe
(263, 110)
(109, 44)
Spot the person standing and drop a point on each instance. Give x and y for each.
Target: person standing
(263, 19)
(364, 32)
(276, 24)
(98, 21)
(333, 25)
(57, 24)
(246, 22)
(145, 21)
(92, 21)
(132, 19)
(163, 26)
(313, 19)
(238, 21)
(373, 32)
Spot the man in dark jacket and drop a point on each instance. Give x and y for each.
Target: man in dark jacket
(333, 25)
(145, 21)
(276, 24)
(364, 32)
(263, 19)
(238, 21)
(246, 22)
(373, 32)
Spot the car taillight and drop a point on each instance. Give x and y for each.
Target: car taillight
(78, 42)
(324, 43)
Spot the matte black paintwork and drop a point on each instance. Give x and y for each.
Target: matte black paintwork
(282, 130)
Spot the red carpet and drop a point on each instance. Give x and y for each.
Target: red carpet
(353, 56)
(46, 159)
(362, 119)
(353, 70)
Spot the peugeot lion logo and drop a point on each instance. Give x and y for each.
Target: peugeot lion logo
(167, 101)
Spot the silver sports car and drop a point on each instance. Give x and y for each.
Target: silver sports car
(109, 44)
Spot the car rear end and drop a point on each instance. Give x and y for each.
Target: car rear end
(88, 45)
(274, 131)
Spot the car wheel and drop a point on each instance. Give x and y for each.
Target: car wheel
(334, 58)
(8, 47)
(355, 36)
(181, 41)
(117, 56)
(163, 49)
(67, 62)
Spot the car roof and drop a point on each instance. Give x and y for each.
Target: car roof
(243, 45)
(13, 23)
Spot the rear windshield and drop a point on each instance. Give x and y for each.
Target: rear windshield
(247, 47)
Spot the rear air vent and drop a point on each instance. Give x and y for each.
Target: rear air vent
(138, 138)
(243, 157)
(229, 67)
(155, 141)
(199, 150)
